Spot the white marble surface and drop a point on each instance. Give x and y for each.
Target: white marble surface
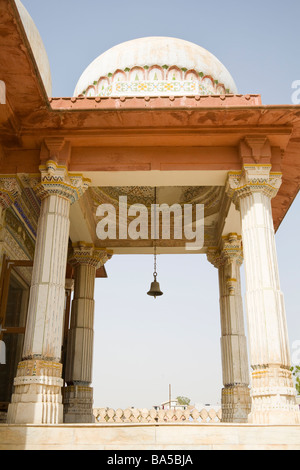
(160, 51)
(150, 437)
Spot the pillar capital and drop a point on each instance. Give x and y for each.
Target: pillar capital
(56, 180)
(231, 248)
(230, 256)
(230, 251)
(87, 254)
(10, 190)
(253, 178)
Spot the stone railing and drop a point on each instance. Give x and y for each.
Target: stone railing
(134, 415)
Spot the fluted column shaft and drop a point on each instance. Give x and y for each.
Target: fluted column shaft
(37, 395)
(80, 358)
(273, 393)
(47, 295)
(235, 368)
(78, 395)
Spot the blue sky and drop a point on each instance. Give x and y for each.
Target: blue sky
(142, 345)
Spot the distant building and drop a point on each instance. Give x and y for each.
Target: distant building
(173, 404)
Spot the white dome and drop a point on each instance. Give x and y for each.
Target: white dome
(155, 66)
(37, 46)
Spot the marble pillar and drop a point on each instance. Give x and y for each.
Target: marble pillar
(236, 402)
(37, 387)
(78, 394)
(273, 392)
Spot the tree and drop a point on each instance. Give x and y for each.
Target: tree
(183, 401)
(296, 373)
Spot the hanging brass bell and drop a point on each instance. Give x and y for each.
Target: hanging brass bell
(155, 289)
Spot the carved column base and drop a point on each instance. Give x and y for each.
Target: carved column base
(236, 404)
(273, 397)
(37, 395)
(78, 404)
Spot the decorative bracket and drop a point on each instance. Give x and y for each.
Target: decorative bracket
(255, 149)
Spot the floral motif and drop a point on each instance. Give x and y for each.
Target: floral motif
(195, 83)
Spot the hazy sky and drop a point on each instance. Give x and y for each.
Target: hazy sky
(141, 344)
